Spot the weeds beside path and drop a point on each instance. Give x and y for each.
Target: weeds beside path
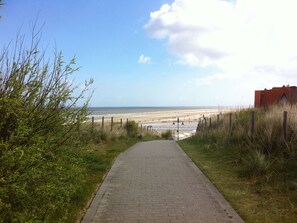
(97, 160)
(97, 157)
(253, 198)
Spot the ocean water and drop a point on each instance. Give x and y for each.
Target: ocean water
(109, 111)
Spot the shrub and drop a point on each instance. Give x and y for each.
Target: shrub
(131, 128)
(167, 134)
(39, 170)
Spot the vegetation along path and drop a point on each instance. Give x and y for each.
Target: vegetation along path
(157, 182)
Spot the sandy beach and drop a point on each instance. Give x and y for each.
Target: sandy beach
(187, 115)
(166, 120)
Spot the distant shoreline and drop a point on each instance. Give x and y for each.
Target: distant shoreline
(153, 115)
(117, 111)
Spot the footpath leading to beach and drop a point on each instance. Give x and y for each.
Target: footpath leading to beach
(157, 182)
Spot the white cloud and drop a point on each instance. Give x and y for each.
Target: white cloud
(144, 59)
(252, 41)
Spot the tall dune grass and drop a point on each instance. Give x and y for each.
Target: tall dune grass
(256, 171)
(265, 152)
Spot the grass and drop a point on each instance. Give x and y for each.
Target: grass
(263, 197)
(167, 134)
(96, 159)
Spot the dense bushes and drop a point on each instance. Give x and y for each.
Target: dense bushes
(46, 148)
(39, 170)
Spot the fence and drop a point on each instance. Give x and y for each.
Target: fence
(229, 122)
(111, 124)
(184, 127)
(181, 127)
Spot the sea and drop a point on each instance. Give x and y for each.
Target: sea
(110, 111)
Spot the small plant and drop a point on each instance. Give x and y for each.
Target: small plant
(131, 128)
(167, 134)
(255, 164)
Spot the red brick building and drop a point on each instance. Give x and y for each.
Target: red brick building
(275, 95)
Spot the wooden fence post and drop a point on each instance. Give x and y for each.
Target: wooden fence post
(92, 129)
(252, 122)
(121, 122)
(178, 129)
(285, 125)
(102, 123)
(111, 124)
(209, 122)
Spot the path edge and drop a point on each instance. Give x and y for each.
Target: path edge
(217, 195)
(96, 199)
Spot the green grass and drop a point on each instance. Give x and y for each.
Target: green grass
(97, 159)
(257, 198)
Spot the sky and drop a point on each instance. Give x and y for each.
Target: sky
(166, 53)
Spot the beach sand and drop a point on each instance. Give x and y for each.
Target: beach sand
(161, 121)
(165, 116)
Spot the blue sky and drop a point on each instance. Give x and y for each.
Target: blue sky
(153, 52)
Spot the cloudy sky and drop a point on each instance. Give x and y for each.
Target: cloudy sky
(167, 53)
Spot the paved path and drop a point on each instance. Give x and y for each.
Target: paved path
(157, 182)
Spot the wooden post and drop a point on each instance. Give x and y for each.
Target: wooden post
(127, 121)
(209, 122)
(203, 121)
(285, 125)
(92, 129)
(121, 122)
(252, 122)
(178, 129)
(230, 122)
(102, 123)
(111, 124)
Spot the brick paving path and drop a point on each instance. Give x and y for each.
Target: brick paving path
(157, 182)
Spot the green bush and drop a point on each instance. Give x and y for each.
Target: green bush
(39, 117)
(167, 134)
(131, 128)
